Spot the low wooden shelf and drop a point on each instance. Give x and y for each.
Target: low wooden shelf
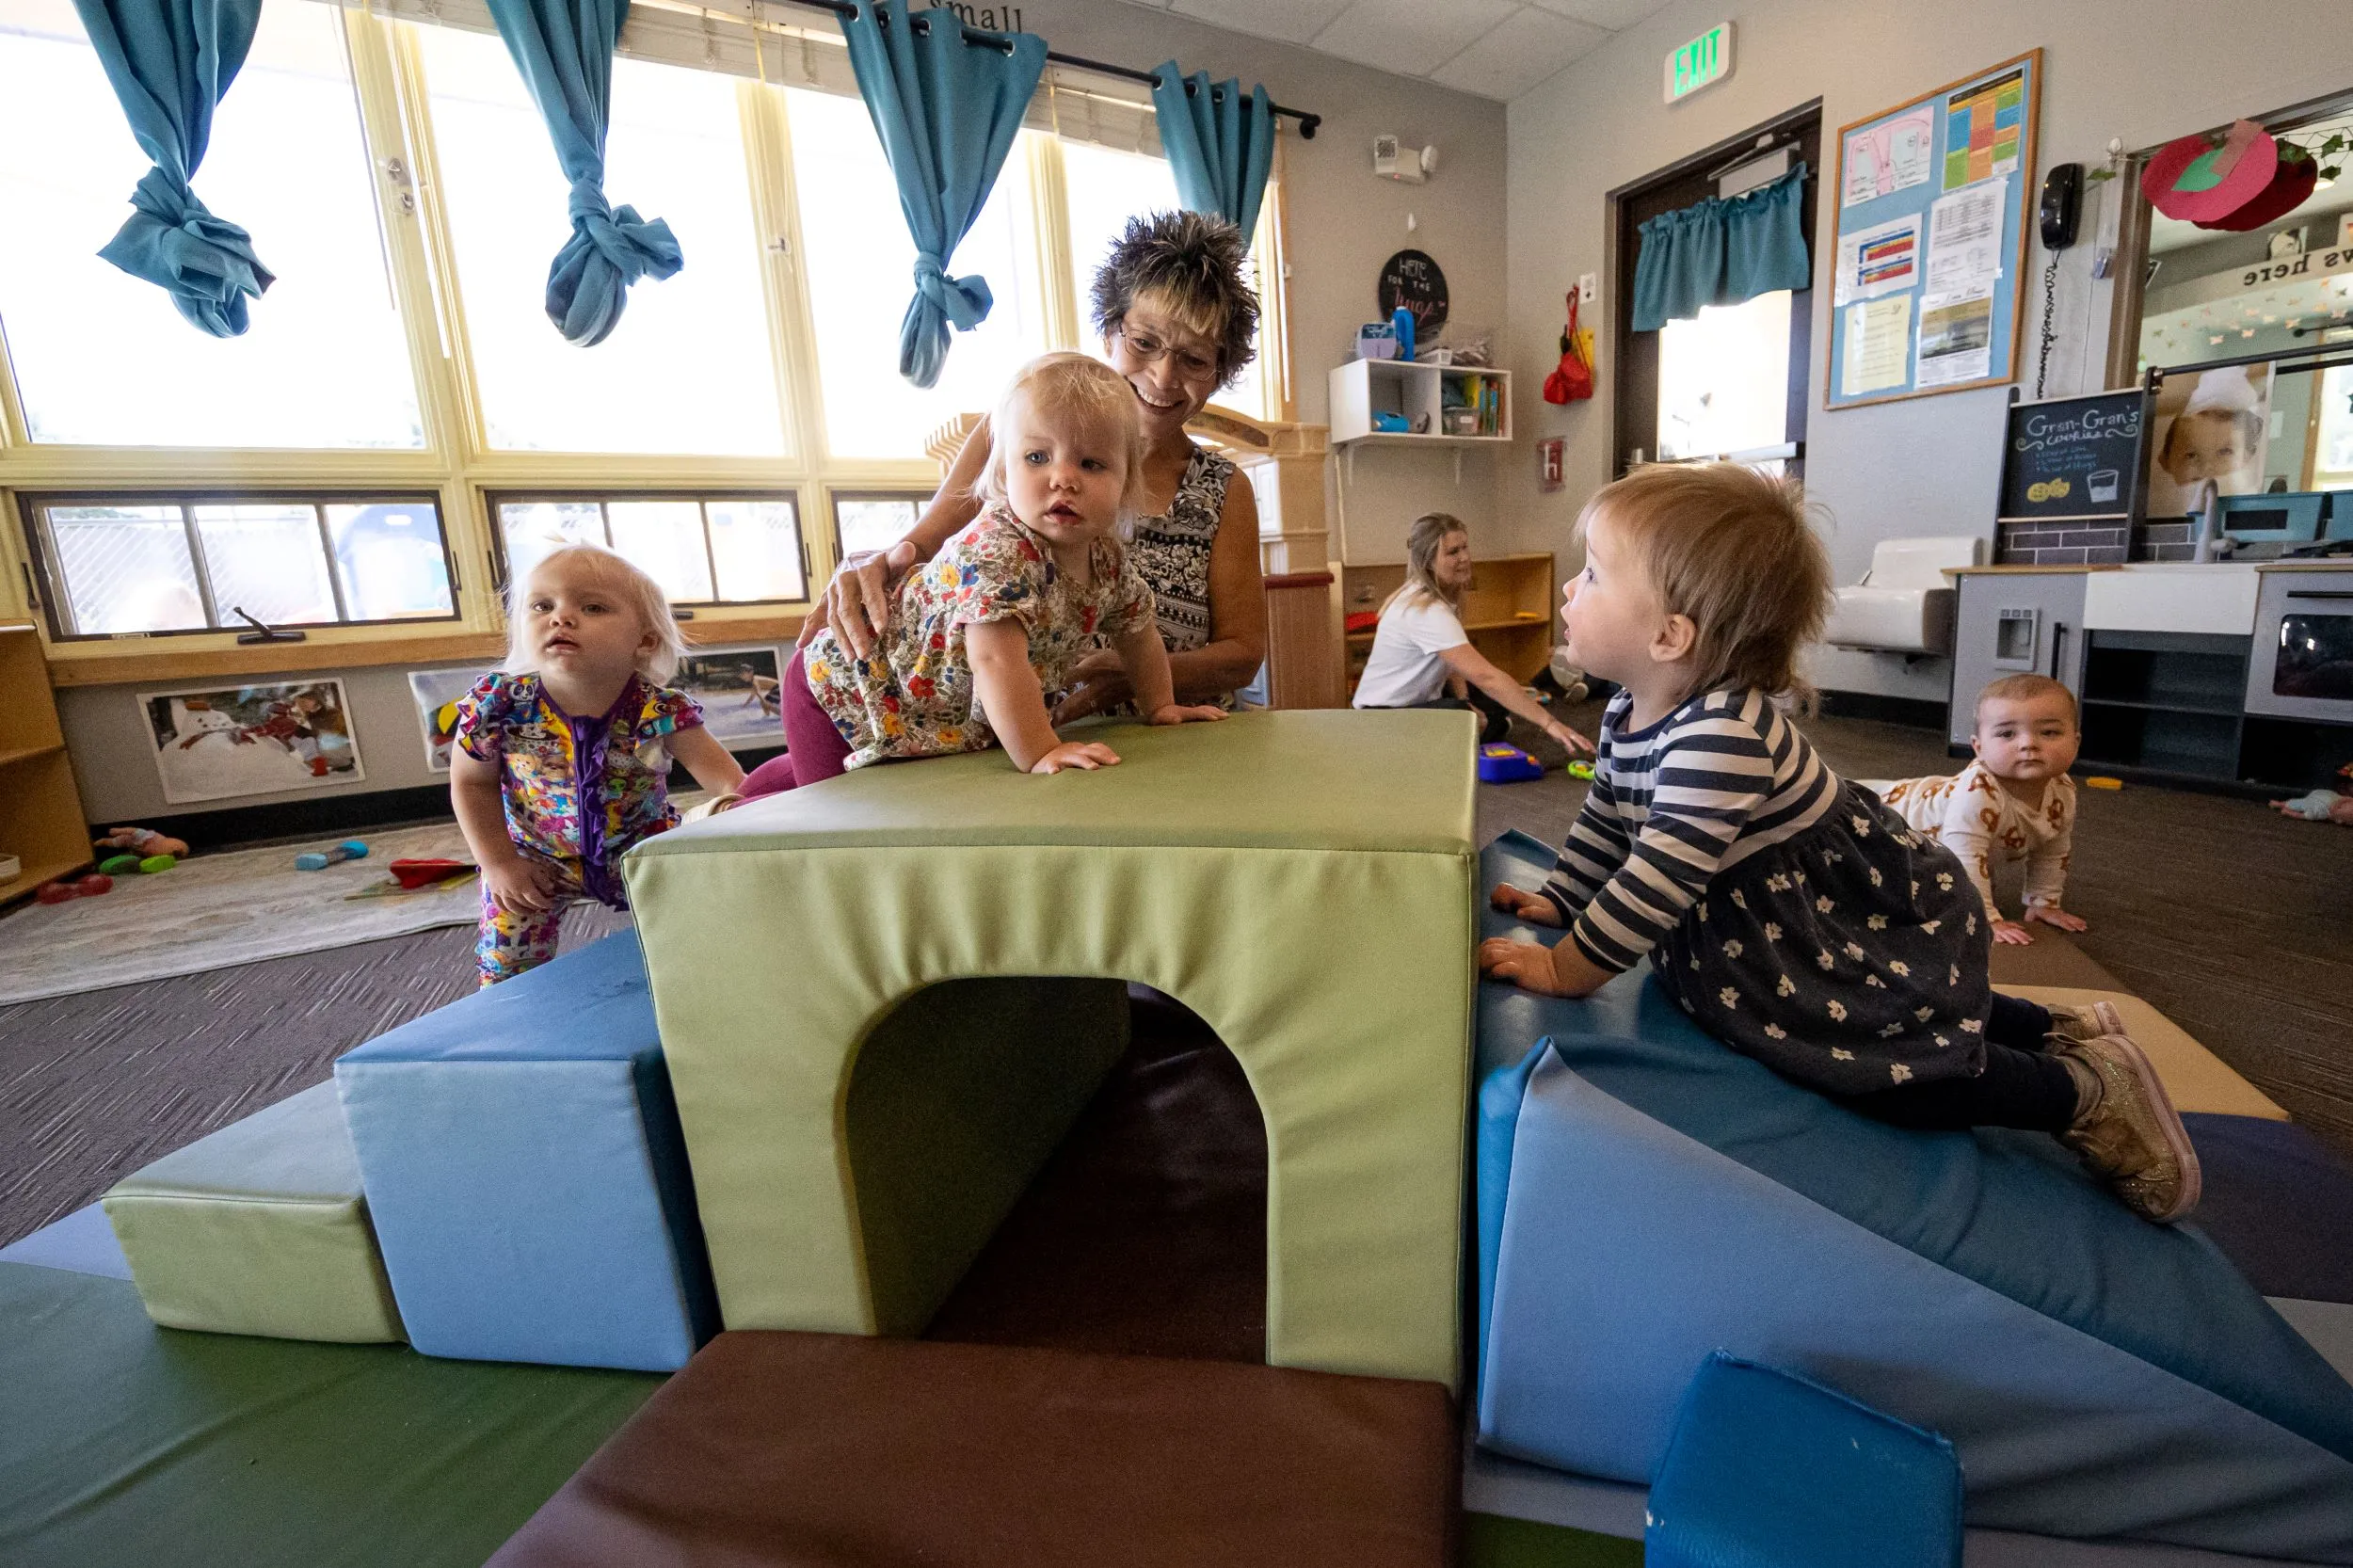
(41, 810)
(1507, 610)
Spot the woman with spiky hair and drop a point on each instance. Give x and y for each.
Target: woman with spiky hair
(1177, 320)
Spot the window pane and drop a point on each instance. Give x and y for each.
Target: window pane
(266, 559)
(860, 267)
(688, 370)
(103, 356)
(126, 568)
(1724, 379)
(873, 524)
(664, 540)
(758, 547)
(535, 527)
(390, 559)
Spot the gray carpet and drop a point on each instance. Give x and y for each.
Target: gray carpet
(2231, 919)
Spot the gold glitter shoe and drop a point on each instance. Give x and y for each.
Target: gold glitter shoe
(2132, 1138)
(2089, 1022)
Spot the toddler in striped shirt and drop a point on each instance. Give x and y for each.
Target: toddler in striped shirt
(1787, 911)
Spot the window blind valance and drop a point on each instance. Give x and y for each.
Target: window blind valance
(798, 48)
(1721, 252)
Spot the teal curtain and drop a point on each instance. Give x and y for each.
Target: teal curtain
(1220, 143)
(169, 61)
(947, 101)
(1721, 252)
(563, 49)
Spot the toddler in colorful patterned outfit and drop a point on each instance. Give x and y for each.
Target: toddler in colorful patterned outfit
(562, 759)
(1790, 912)
(1001, 615)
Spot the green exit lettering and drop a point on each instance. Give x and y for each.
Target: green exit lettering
(1703, 61)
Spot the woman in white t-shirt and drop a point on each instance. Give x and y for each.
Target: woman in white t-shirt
(1422, 658)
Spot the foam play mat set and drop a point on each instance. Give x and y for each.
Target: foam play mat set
(659, 1220)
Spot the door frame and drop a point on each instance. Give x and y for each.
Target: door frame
(1618, 258)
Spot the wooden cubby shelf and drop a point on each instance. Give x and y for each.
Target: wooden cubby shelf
(41, 810)
(1507, 610)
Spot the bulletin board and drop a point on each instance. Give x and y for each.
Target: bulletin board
(1932, 202)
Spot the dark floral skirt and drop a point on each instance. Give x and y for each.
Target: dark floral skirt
(1851, 958)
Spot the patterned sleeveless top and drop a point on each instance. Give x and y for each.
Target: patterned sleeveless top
(1172, 551)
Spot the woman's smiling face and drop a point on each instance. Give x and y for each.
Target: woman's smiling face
(1172, 368)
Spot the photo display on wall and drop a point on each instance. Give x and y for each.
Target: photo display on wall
(225, 741)
(1932, 210)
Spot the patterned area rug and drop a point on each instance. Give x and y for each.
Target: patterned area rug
(217, 910)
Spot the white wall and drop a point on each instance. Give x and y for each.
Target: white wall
(2144, 72)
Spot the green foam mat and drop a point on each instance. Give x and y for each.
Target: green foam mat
(1490, 1540)
(125, 1443)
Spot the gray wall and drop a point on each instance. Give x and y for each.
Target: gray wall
(1929, 465)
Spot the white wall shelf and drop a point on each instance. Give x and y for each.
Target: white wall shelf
(1362, 388)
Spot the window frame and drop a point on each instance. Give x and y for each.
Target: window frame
(502, 569)
(44, 569)
(835, 496)
(455, 467)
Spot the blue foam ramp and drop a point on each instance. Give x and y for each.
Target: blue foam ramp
(1647, 1197)
(1769, 1470)
(526, 1174)
(82, 1242)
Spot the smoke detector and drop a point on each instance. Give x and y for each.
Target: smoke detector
(1407, 165)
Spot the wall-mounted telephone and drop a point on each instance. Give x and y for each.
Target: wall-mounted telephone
(2062, 203)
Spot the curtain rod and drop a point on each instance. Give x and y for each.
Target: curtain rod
(1307, 122)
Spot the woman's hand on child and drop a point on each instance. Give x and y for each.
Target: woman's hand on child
(2011, 933)
(1527, 965)
(1520, 904)
(2050, 914)
(517, 886)
(1178, 713)
(1088, 755)
(1097, 682)
(857, 602)
(1578, 745)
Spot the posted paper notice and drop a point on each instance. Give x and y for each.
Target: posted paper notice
(1882, 259)
(1891, 156)
(1956, 340)
(1878, 337)
(1966, 240)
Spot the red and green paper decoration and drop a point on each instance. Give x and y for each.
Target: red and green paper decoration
(2237, 180)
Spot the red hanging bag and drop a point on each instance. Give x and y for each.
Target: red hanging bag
(1572, 380)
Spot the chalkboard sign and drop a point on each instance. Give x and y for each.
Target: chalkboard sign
(2073, 458)
(1411, 279)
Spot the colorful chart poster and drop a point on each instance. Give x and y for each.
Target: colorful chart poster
(1984, 129)
(1879, 260)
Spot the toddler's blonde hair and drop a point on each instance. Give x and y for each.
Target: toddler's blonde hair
(1733, 549)
(626, 583)
(1066, 386)
(2022, 688)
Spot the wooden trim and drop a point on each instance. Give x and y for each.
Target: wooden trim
(1299, 580)
(375, 653)
(1836, 193)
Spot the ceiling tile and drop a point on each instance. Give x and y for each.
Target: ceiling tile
(1612, 14)
(1288, 21)
(1526, 50)
(1410, 36)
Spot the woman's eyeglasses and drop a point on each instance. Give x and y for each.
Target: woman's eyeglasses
(1147, 349)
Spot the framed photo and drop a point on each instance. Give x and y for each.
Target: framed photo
(2213, 425)
(737, 688)
(435, 694)
(226, 741)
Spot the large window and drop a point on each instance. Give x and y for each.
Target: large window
(703, 549)
(1724, 379)
(860, 265)
(101, 357)
(150, 563)
(688, 370)
(327, 467)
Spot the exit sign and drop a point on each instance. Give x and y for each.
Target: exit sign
(1703, 62)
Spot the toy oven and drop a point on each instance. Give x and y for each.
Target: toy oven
(2302, 666)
